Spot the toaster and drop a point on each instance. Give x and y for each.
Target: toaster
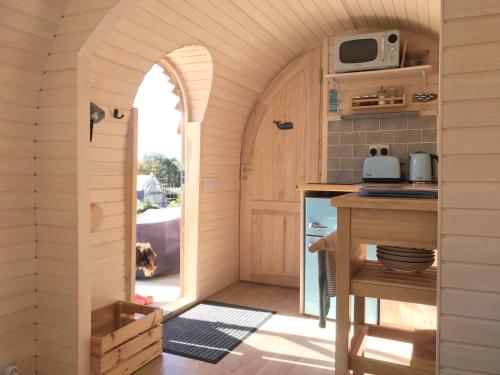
(381, 169)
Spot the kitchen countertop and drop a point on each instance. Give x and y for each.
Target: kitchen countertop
(353, 188)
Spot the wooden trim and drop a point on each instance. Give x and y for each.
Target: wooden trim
(440, 182)
(166, 64)
(324, 113)
(302, 249)
(83, 216)
(343, 259)
(191, 210)
(131, 202)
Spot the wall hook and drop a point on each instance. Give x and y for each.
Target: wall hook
(284, 125)
(96, 115)
(115, 114)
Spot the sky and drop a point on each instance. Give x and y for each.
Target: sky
(158, 118)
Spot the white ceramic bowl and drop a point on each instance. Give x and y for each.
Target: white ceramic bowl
(405, 254)
(405, 266)
(405, 249)
(406, 258)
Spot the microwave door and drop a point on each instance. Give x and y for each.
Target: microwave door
(360, 54)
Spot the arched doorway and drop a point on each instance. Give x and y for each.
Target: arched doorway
(192, 91)
(159, 102)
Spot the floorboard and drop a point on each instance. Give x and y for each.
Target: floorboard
(288, 343)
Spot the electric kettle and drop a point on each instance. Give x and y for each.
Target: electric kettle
(422, 167)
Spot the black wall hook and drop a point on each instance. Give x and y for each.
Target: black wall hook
(115, 114)
(96, 115)
(284, 125)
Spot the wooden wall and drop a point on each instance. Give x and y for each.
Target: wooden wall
(470, 199)
(27, 29)
(117, 69)
(59, 320)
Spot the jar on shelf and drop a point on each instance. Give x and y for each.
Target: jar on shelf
(381, 94)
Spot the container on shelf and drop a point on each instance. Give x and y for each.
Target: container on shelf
(333, 98)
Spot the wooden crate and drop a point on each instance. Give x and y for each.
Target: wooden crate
(125, 337)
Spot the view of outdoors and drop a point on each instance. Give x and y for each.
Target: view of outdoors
(159, 149)
(159, 181)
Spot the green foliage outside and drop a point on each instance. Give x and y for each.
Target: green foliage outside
(162, 167)
(146, 205)
(176, 203)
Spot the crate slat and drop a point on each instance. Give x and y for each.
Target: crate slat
(139, 360)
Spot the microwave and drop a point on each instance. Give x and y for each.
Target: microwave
(379, 50)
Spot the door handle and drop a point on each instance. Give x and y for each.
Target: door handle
(316, 226)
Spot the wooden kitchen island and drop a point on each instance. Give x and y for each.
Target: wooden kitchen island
(384, 221)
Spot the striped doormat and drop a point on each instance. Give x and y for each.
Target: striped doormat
(210, 330)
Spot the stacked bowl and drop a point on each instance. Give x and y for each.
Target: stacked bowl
(404, 258)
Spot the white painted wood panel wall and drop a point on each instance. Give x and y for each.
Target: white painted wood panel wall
(470, 203)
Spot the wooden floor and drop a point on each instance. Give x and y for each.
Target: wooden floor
(288, 343)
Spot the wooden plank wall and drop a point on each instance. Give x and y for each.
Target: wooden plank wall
(470, 203)
(27, 29)
(58, 321)
(114, 84)
(123, 57)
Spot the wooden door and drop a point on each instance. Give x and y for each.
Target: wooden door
(273, 163)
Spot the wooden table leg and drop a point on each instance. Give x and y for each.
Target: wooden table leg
(359, 320)
(343, 288)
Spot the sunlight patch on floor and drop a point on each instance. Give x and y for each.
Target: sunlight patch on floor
(282, 335)
(163, 289)
(388, 350)
(301, 363)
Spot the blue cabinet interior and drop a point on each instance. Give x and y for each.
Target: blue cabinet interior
(321, 219)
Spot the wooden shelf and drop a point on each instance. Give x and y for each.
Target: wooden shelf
(334, 116)
(379, 75)
(423, 356)
(401, 102)
(372, 279)
(359, 115)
